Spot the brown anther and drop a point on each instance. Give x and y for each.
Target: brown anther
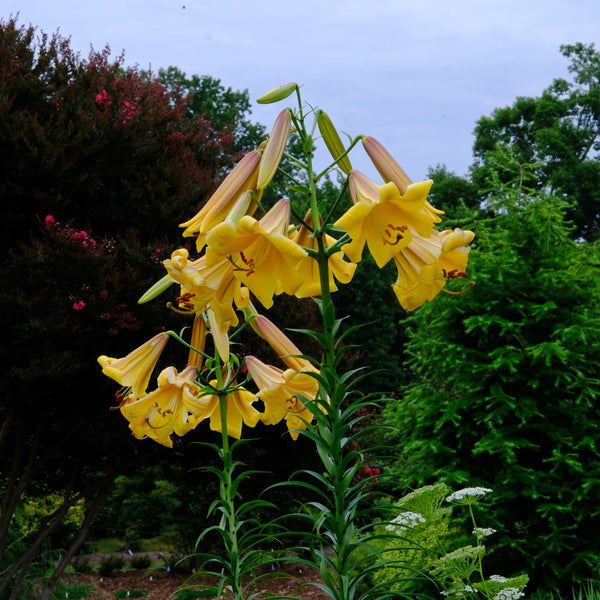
(294, 405)
(454, 274)
(249, 262)
(121, 397)
(400, 229)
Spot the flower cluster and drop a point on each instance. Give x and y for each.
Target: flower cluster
(468, 495)
(246, 253)
(126, 111)
(79, 237)
(404, 521)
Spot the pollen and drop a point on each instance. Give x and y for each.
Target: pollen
(394, 232)
(453, 274)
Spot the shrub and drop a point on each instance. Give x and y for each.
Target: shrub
(81, 564)
(109, 564)
(140, 562)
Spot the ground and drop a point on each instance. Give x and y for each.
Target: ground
(161, 585)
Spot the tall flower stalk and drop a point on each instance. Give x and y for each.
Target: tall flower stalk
(250, 253)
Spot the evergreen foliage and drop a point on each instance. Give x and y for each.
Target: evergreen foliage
(559, 133)
(506, 387)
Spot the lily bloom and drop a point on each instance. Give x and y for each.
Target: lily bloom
(176, 406)
(242, 178)
(239, 411)
(265, 259)
(420, 278)
(204, 286)
(308, 267)
(283, 394)
(134, 370)
(392, 172)
(383, 218)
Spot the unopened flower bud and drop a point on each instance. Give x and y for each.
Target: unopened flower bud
(332, 141)
(278, 93)
(157, 289)
(274, 148)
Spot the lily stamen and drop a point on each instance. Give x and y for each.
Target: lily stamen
(398, 237)
(249, 262)
(294, 405)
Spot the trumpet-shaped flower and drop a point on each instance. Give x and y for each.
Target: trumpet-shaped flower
(392, 172)
(383, 218)
(239, 411)
(242, 178)
(265, 259)
(420, 278)
(176, 406)
(204, 286)
(283, 394)
(134, 370)
(308, 267)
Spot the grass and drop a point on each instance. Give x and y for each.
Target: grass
(75, 591)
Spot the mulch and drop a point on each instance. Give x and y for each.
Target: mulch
(295, 580)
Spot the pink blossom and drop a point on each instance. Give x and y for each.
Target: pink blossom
(79, 305)
(102, 99)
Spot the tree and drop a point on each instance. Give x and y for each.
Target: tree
(559, 133)
(99, 163)
(506, 387)
(225, 108)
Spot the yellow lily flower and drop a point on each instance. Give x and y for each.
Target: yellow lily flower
(239, 411)
(134, 370)
(384, 218)
(242, 178)
(174, 407)
(392, 172)
(283, 394)
(419, 277)
(265, 259)
(204, 286)
(309, 268)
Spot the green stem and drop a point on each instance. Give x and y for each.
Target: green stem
(229, 517)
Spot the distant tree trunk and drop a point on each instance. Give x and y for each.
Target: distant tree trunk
(100, 495)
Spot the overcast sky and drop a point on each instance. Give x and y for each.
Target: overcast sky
(415, 75)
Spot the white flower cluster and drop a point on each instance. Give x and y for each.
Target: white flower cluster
(483, 531)
(509, 593)
(405, 521)
(458, 591)
(470, 493)
(498, 578)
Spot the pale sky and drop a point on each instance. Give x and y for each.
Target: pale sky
(414, 75)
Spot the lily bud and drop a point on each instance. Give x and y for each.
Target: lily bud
(240, 179)
(332, 141)
(274, 148)
(278, 93)
(157, 289)
(384, 162)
